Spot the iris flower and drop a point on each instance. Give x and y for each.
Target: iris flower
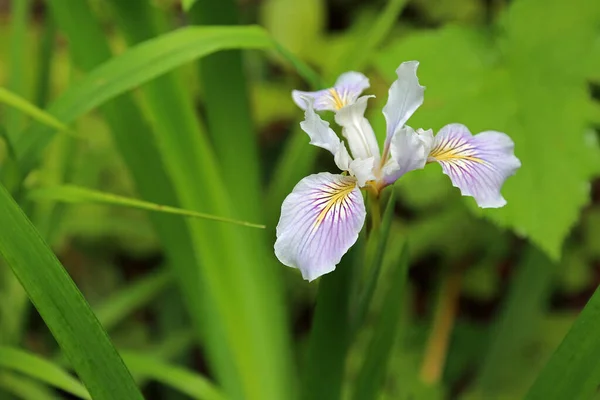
(322, 217)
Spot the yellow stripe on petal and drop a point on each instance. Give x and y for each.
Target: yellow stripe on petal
(335, 196)
(338, 101)
(454, 149)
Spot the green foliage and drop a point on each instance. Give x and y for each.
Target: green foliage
(149, 106)
(62, 306)
(522, 81)
(573, 371)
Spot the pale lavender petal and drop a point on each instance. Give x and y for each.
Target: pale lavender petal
(323, 136)
(320, 220)
(408, 151)
(477, 165)
(347, 88)
(405, 96)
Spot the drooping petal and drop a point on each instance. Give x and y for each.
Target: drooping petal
(323, 136)
(346, 90)
(320, 220)
(405, 96)
(357, 130)
(477, 165)
(408, 151)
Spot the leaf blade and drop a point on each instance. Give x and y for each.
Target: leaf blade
(78, 194)
(62, 306)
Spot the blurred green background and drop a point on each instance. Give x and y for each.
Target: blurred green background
(495, 290)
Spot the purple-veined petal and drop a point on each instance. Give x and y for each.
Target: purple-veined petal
(323, 136)
(346, 90)
(477, 165)
(320, 220)
(408, 151)
(405, 96)
(357, 130)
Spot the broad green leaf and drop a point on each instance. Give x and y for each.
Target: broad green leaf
(179, 378)
(77, 194)
(61, 305)
(354, 60)
(373, 372)
(43, 370)
(573, 371)
(187, 4)
(297, 25)
(525, 84)
(17, 102)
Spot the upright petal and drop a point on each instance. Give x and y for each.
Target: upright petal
(320, 220)
(362, 170)
(347, 88)
(477, 165)
(357, 130)
(323, 136)
(405, 96)
(408, 151)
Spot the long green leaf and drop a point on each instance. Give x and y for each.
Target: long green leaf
(573, 371)
(247, 334)
(382, 238)
(20, 15)
(19, 103)
(41, 369)
(181, 379)
(234, 139)
(373, 371)
(138, 65)
(62, 306)
(331, 334)
(77, 194)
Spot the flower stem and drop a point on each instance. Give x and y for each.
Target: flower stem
(375, 211)
(443, 322)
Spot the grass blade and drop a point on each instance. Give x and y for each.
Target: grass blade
(136, 66)
(246, 337)
(375, 269)
(181, 379)
(17, 80)
(372, 374)
(121, 304)
(62, 306)
(330, 334)
(77, 194)
(234, 139)
(23, 388)
(43, 370)
(517, 323)
(19, 103)
(573, 371)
